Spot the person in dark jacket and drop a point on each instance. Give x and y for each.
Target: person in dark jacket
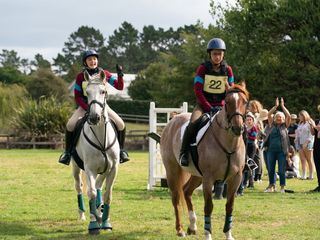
(316, 150)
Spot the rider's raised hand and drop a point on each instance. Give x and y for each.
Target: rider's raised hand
(119, 70)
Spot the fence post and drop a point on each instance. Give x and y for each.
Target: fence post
(156, 168)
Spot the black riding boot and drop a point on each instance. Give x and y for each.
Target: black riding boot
(124, 156)
(185, 145)
(66, 156)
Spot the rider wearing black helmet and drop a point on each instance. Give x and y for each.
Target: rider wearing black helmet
(212, 79)
(90, 59)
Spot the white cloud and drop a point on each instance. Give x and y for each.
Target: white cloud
(42, 26)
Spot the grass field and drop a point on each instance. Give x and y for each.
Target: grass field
(38, 201)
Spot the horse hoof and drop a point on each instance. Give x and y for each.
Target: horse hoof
(106, 226)
(181, 234)
(191, 232)
(94, 231)
(94, 228)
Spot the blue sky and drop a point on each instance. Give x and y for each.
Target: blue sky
(42, 26)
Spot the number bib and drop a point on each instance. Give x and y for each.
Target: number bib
(84, 87)
(215, 84)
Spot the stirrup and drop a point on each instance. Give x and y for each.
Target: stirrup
(184, 161)
(124, 156)
(65, 158)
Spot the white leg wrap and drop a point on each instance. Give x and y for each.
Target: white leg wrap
(82, 215)
(193, 221)
(229, 235)
(207, 235)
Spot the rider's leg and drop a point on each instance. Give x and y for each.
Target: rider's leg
(66, 156)
(121, 131)
(189, 133)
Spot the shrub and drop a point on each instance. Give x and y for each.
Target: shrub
(42, 118)
(11, 97)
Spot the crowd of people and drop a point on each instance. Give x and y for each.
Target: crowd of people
(276, 137)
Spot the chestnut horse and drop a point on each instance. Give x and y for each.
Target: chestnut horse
(221, 157)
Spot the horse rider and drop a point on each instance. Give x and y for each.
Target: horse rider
(212, 79)
(90, 60)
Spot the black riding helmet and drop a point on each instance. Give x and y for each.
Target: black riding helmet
(216, 43)
(87, 54)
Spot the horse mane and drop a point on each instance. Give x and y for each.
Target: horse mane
(239, 87)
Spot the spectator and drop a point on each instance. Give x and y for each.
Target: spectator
(261, 121)
(316, 150)
(292, 129)
(292, 169)
(277, 144)
(251, 147)
(304, 142)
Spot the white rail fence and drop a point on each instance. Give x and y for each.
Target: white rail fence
(158, 119)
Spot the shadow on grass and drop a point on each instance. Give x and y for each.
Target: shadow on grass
(11, 229)
(143, 194)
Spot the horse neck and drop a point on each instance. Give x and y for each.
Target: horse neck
(98, 133)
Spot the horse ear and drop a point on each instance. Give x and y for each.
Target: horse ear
(243, 84)
(86, 76)
(102, 75)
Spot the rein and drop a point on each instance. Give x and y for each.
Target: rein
(229, 118)
(100, 146)
(228, 153)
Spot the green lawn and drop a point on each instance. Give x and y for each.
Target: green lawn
(38, 201)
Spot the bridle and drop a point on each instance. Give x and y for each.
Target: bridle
(229, 117)
(228, 128)
(101, 146)
(232, 115)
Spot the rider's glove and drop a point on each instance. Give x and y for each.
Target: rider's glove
(214, 110)
(119, 70)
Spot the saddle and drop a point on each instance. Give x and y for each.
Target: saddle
(202, 125)
(76, 135)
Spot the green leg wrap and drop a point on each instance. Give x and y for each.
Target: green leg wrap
(81, 203)
(207, 223)
(105, 217)
(93, 208)
(227, 223)
(93, 225)
(99, 197)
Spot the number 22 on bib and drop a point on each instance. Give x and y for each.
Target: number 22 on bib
(215, 84)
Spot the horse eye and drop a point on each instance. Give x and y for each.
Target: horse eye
(103, 92)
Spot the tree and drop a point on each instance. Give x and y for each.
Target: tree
(43, 83)
(40, 62)
(124, 46)
(169, 81)
(274, 46)
(83, 39)
(11, 75)
(9, 59)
